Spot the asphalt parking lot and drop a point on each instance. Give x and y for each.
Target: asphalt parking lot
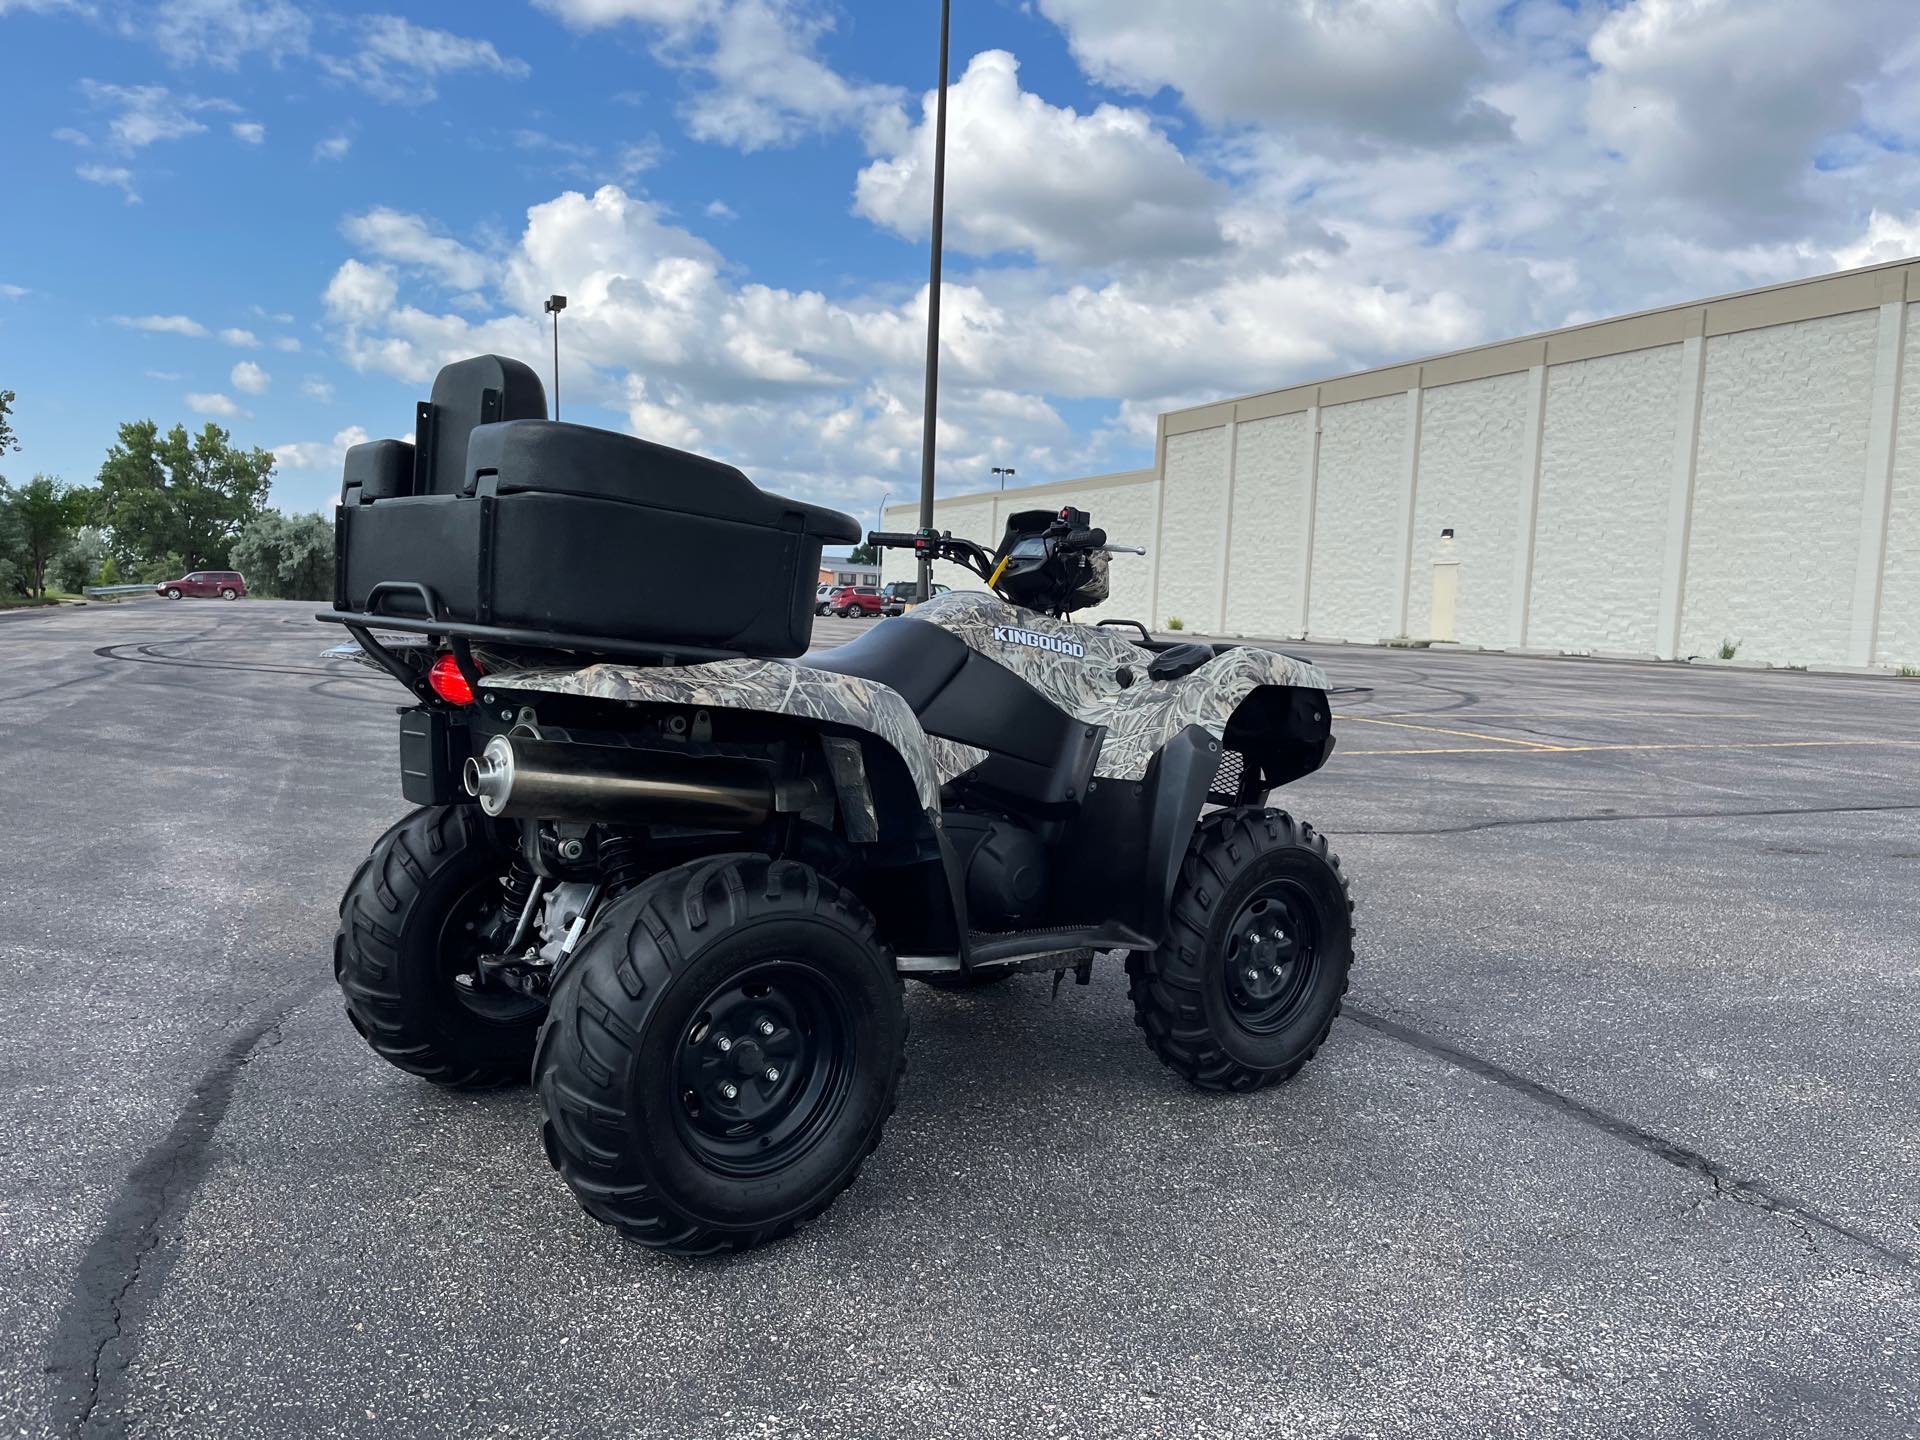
(1619, 1137)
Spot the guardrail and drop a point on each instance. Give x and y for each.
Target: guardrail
(92, 590)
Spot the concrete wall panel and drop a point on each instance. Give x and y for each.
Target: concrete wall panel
(1899, 640)
(1263, 550)
(1196, 515)
(1776, 508)
(1356, 519)
(1470, 444)
(1606, 464)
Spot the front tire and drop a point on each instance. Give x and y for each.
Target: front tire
(721, 1054)
(1259, 943)
(412, 918)
(173, 594)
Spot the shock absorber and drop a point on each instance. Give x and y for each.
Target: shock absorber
(519, 889)
(620, 863)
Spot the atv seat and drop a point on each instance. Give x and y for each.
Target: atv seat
(899, 654)
(1178, 660)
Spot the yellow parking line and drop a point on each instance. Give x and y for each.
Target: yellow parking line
(1677, 745)
(1439, 730)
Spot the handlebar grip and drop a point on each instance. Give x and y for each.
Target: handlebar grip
(891, 538)
(1095, 539)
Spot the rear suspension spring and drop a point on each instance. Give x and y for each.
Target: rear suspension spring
(620, 863)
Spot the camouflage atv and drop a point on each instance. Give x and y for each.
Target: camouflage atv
(676, 874)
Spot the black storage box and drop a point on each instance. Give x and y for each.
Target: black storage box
(565, 532)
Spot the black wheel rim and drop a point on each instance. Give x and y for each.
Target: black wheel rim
(764, 1068)
(1272, 957)
(465, 935)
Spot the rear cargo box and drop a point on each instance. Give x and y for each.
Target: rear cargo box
(569, 532)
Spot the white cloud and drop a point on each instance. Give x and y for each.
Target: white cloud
(720, 210)
(316, 389)
(409, 240)
(112, 175)
(249, 132)
(638, 157)
(360, 292)
(215, 404)
(1042, 178)
(286, 344)
(13, 292)
(1401, 70)
(250, 379)
(397, 60)
(765, 83)
(334, 147)
(145, 114)
(224, 33)
(244, 339)
(167, 375)
(1716, 106)
(164, 325)
(319, 455)
(1888, 238)
(278, 317)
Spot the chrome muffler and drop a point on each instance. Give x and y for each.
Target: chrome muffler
(517, 775)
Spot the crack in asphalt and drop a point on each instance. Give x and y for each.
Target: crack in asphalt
(1755, 1193)
(1626, 815)
(92, 1320)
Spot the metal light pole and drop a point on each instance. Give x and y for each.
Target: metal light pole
(933, 301)
(1003, 471)
(555, 304)
(880, 515)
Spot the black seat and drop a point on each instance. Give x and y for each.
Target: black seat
(904, 655)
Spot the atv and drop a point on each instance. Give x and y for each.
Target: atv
(675, 868)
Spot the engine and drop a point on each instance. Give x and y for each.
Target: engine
(1006, 868)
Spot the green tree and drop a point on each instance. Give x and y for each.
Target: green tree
(863, 555)
(177, 496)
(8, 440)
(43, 514)
(80, 561)
(290, 556)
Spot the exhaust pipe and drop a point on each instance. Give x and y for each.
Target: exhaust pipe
(554, 780)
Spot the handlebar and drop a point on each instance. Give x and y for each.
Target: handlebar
(891, 539)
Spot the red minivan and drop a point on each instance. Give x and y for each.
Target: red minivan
(226, 584)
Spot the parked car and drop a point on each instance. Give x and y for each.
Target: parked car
(855, 600)
(902, 593)
(226, 584)
(823, 596)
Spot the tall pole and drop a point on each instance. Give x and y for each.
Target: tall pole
(555, 304)
(932, 404)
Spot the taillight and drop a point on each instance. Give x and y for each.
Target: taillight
(448, 683)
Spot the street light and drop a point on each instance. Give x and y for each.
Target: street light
(555, 304)
(933, 302)
(1003, 471)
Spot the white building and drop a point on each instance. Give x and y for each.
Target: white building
(1744, 470)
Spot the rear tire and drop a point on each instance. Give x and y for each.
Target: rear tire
(410, 920)
(737, 972)
(1259, 943)
(229, 594)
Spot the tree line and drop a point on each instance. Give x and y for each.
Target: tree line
(163, 503)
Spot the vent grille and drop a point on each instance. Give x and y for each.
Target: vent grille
(1227, 780)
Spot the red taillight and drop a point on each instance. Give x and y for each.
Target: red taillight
(448, 683)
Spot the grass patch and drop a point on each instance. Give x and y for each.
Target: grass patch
(22, 602)
(1727, 649)
(1174, 622)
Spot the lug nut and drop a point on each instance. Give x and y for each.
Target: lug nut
(766, 1027)
(1252, 975)
(723, 1044)
(730, 1091)
(773, 1074)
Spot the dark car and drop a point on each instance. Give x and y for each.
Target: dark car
(855, 600)
(205, 584)
(901, 593)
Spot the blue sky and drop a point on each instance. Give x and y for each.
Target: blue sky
(285, 216)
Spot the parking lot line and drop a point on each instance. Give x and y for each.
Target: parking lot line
(1441, 730)
(1651, 745)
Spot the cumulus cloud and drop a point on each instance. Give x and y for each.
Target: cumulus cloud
(1888, 238)
(319, 455)
(143, 115)
(315, 388)
(409, 240)
(13, 292)
(397, 61)
(226, 33)
(286, 344)
(250, 379)
(249, 132)
(216, 404)
(360, 292)
(1043, 178)
(1401, 70)
(334, 147)
(244, 339)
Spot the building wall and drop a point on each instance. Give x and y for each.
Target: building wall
(1745, 468)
